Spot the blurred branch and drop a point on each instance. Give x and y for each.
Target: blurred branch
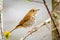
(50, 16)
(56, 4)
(36, 29)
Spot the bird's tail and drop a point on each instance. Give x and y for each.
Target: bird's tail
(15, 28)
(12, 29)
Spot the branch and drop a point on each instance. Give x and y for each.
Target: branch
(50, 16)
(57, 3)
(36, 29)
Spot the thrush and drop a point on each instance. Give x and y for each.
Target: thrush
(28, 19)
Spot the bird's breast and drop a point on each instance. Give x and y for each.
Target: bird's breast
(30, 22)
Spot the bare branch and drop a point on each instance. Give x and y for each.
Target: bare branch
(50, 16)
(57, 3)
(36, 29)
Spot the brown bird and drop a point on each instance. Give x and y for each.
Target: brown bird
(28, 20)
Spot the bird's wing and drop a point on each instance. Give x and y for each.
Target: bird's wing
(25, 19)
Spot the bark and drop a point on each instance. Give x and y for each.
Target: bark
(56, 14)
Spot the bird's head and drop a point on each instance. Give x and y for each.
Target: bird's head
(33, 11)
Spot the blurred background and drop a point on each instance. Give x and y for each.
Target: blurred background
(0, 17)
(15, 10)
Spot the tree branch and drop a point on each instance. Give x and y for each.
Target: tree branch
(57, 3)
(50, 16)
(36, 28)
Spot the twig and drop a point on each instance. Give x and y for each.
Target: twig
(13, 30)
(1, 20)
(50, 16)
(57, 3)
(36, 29)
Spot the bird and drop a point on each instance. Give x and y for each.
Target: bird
(28, 20)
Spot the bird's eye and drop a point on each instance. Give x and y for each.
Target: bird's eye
(33, 10)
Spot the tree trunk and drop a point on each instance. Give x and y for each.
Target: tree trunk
(56, 17)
